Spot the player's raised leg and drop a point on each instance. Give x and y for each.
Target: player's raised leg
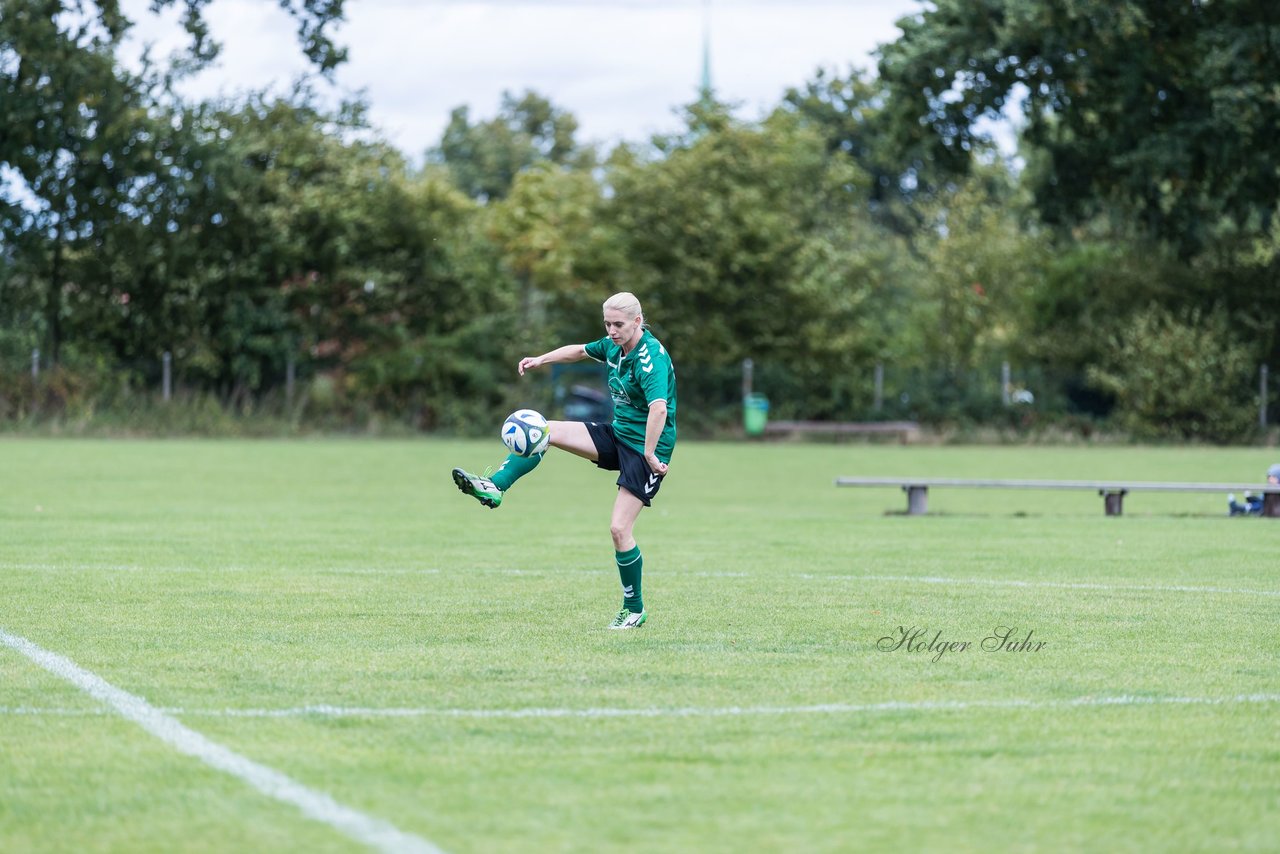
(571, 436)
(478, 487)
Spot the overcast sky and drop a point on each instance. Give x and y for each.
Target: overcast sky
(622, 67)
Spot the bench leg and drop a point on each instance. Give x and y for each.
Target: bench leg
(1271, 504)
(1113, 502)
(917, 500)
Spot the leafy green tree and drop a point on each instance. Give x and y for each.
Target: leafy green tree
(385, 276)
(849, 113)
(557, 243)
(550, 231)
(65, 118)
(749, 241)
(484, 158)
(80, 138)
(1148, 109)
(981, 268)
(128, 291)
(420, 320)
(1141, 129)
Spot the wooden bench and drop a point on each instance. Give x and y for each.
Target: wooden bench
(904, 430)
(1112, 492)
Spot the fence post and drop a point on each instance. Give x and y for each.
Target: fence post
(167, 382)
(1005, 381)
(748, 368)
(1262, 394)
(879, 404)
(35, 364)
(290, 372)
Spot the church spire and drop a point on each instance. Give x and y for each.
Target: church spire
(705, 92)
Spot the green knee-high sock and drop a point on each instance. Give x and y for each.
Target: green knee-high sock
(514, 469)
(629, 565)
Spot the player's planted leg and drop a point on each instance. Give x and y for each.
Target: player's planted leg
(628, 619)
(629, 561)
(630, 567)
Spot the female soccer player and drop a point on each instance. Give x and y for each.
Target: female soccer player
(638, 444)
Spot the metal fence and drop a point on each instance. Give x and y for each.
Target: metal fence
(710, 397)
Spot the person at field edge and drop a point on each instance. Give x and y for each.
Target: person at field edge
(1252, 505)
(638, 443)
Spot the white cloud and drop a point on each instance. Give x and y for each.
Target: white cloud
(622, 68)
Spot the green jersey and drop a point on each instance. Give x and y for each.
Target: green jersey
(636, 380)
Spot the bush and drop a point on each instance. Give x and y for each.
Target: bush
(1178, 378)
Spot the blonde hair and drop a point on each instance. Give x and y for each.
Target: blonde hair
(624, 302)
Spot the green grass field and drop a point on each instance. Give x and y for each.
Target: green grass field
(337, 612)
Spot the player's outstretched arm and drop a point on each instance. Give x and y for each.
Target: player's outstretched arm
(567, 353)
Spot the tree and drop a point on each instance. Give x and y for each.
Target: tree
(982, 267)
(1145, 109)
(753, 241)
(484, 158)
(79, 134)
(556, 239)
(323, 243)
(848, 112)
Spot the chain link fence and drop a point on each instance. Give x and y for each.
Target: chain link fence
(710, 398)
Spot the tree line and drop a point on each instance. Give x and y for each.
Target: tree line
(1124, 258)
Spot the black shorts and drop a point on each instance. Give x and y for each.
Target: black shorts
(635, 475)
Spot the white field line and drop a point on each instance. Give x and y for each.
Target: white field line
(339, 570)
(323, 711)
(371, 831)
(1060, 585)
(807, 576)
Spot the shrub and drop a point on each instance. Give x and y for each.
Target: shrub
(1180, 378)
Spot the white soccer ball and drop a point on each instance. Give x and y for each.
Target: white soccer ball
(525, 433)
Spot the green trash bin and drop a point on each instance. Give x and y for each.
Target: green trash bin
(755, 414)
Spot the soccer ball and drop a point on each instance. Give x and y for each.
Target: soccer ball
(525, 433)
